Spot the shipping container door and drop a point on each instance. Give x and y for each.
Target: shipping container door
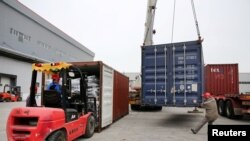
(154, 75)
(172, 74)
(107, 96)
(186, 74)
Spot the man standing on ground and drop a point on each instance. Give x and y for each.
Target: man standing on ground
(211, 112)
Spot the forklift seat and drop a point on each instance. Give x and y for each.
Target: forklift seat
(51, 98)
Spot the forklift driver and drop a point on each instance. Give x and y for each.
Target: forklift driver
(54, 85)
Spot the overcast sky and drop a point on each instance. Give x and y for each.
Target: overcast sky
(114, 29)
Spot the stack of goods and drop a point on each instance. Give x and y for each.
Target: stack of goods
(93, 91)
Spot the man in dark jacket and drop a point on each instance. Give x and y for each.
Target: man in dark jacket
(211, 112)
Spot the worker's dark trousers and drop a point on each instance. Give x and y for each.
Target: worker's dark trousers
(202, 123)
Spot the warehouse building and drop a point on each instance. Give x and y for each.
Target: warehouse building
(25, 38)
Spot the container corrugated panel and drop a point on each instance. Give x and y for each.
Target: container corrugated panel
(222, 79)
(172, 74)
(120, 97)
(105, 76)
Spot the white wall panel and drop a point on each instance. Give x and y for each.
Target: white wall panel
(107, 95)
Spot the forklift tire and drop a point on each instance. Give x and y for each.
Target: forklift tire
(90, 129)
(57, 136)
(7, 100)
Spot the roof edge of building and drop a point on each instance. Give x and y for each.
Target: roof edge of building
(18, 6)
(18, 55)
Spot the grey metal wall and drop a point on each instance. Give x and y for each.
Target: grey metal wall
(26, 33)
(244, 80)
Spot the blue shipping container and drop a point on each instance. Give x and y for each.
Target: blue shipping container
(172, 74)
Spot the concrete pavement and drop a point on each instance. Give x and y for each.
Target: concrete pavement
(171, 124)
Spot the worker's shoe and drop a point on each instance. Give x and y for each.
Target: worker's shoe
(193, 131)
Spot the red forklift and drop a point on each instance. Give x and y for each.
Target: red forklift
(11, 94)
(61, 116)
